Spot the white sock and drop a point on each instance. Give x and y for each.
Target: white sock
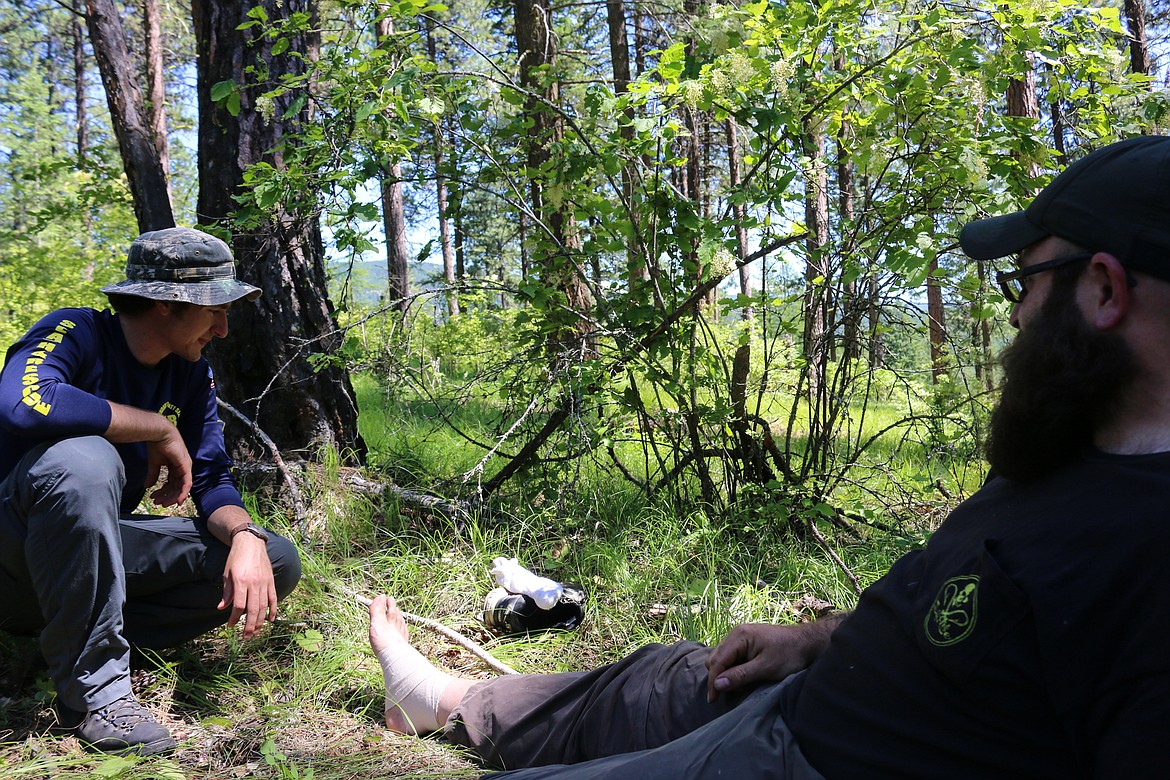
(413, 685)
(514, 578)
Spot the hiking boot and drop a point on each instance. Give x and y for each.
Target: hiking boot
(516, 613)
(124, 726)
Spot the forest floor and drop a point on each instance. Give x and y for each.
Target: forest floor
(305, 699)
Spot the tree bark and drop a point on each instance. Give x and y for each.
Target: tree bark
(263, 368)
(1022, 101)
(79, 87)
(852, 304)
(394, 223)
(536, 45)
(445, 243)
(144, 169)
(816, 216)
(619, 55)
(738, 210)
(156, 103)
(393, 211)
(937, 324)
(1139, 51)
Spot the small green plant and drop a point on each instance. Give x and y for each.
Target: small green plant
(286, 769)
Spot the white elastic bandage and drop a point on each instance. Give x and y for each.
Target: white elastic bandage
(413, 685)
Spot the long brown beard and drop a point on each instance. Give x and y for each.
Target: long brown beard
(1062, 380)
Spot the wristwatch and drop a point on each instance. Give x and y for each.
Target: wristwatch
(253, 529)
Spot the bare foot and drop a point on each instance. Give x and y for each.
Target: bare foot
(386, 623)
(388, 627)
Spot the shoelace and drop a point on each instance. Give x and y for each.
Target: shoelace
(124, 714)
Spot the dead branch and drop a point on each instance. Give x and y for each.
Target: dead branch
(433, 625)
(463, 510)
(294, 492)
(824, 543)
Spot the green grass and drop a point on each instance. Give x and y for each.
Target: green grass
(305, 699)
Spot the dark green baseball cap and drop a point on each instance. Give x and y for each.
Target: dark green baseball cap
(182, 264)
(1115, 199)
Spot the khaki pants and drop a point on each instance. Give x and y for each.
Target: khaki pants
(643, 718)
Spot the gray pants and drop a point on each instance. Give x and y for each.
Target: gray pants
(91, 582)
(644, 717)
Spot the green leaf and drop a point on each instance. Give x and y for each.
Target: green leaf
(672, 63)
(114, 766)
(222, 89)
(364, 111)
(294, 108)
(310, 641)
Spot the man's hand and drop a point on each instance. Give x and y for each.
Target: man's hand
(170, 451)
(755, 652)
(249, 588)
(164, 447)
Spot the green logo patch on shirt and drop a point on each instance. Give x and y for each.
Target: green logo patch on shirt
(952, 616)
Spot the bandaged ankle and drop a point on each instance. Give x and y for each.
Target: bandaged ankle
(413, 686)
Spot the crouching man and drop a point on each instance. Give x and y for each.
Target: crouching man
(93, 405)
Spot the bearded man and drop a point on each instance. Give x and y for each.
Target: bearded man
(1028, 639)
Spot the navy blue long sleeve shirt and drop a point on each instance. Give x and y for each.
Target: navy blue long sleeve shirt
(58, 378)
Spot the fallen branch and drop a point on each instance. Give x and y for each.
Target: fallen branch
(433, 625)
(294, 492)
(824, 543)
(454, 509)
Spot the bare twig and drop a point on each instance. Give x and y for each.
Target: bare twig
(433, 625)
(824, 543)
(294, 492)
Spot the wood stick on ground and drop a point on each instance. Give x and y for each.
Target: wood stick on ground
(433, 625)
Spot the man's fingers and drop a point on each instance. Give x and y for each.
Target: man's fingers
(728, 654)
(257, 604)
(260, 608)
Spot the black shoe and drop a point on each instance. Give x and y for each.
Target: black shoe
(124, 726)
(515, 613)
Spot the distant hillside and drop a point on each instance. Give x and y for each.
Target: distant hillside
(368, 278)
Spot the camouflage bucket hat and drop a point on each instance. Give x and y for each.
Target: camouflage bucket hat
(182, 264)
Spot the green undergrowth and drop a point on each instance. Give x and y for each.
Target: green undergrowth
(305, 699)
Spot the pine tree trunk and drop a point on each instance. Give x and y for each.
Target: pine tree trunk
(1139, 51)
(79, 87)
(156, 103)
(394, 224)
(439, 151)
(536, 45)
(393, 212)
(816, 216)
(140, 158)
(937, 324)
(735, 181)
(619, 55)
(263, 368)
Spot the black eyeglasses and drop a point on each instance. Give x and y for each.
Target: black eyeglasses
(1012, 284)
